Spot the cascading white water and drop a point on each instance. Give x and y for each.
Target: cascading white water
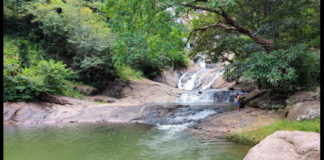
(202, 100)
(180, 80)
(207, 76)
(208, 96)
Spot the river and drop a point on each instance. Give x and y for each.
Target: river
(113, 142)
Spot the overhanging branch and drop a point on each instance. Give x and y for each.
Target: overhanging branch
(266, 43)
(218, 25)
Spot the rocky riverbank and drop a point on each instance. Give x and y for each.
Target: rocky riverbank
(246, 119)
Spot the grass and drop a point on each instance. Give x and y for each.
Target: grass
(254, 137)
(127, 73)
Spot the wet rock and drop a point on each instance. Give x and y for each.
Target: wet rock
(287, 145)
(87, 90)
(308, 110)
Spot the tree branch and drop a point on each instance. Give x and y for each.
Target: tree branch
(218, 25)
(266, 43)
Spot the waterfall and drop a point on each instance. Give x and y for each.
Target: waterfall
(199, 101)
(202, 79)
(191, 82)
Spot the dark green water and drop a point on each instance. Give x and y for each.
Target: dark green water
(113, 142)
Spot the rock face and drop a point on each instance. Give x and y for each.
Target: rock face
(142, 91)
(168, 77)
(252, 95)
(287, 145)
(308, 110)
(246, 86)
(87, 90)
(31, 114)
(303, 106)
(222, 84)
(301, 97)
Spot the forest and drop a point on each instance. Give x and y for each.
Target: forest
(161, 79)
(54, 45)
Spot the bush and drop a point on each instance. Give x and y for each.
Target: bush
(46, 76)
(95, 71)
(126, 73)
(281, 69)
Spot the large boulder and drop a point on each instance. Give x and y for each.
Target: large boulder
(266, 102)
(301, 97)
(246, 86)
(87, 90)
(287, 145)
(252, 95)
(308, 110)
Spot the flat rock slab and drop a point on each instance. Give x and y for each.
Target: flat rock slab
(287, 145)
(246, 119)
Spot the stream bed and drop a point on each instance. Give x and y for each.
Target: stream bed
(113, 142)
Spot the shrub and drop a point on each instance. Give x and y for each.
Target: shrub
(126, 73)
(46, 76)
(95, 71)
(282, 69)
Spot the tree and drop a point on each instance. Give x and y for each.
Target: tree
(244, 28)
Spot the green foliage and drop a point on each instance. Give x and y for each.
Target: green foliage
(25, 84)
(254, 137)
(150, 42)
(95, 71)
(127, 73)
(288, 24)
(284, 68)
(72, 91)
(49, 76)
(74, 30)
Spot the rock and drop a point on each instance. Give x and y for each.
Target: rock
(222, 84)
(104, 99)
(87, 90)
(252, 95)
(318, 90)
(265, 102)
(21, 112)
(53, 99)
(169, 77)
(307, 110)
(246, 86)
(301, 97)
(141, 91)
(287, 145)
